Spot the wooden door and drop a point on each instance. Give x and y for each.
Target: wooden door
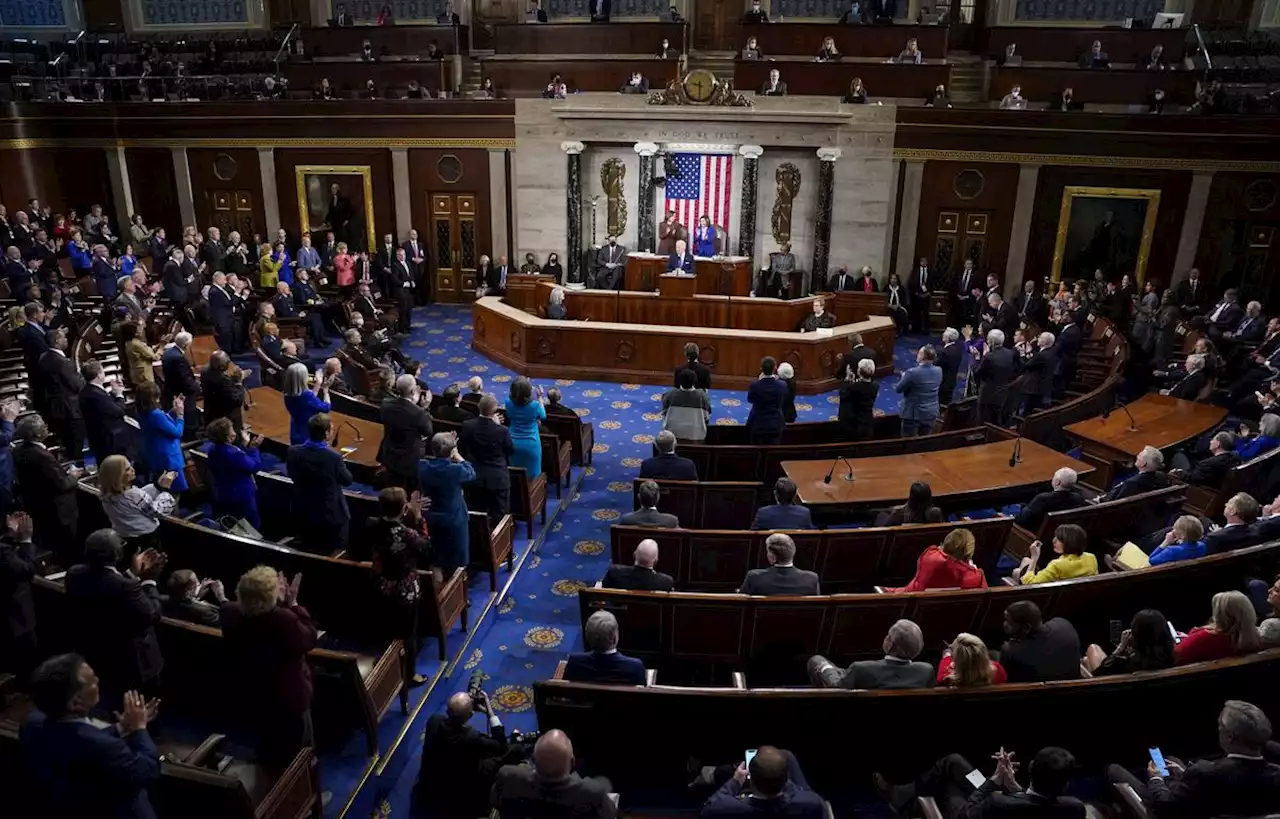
(961, 235)
(287, 12)
(453, 246)
(233, 210)
(716, 25)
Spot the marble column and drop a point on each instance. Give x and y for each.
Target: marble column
(909, 216)
(1020, 232)
(750, 181)
(121, 191)
(822, 230)
(270, 197)
(403, 195)
(1192, 223)
(644, 212)
(182, 180)
(500, 239)
(573, 213)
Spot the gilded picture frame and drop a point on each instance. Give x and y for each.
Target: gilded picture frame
(1087, 241)
(314, 195)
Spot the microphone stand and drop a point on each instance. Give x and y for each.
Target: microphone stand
(337, 432)
(848, 476)
(1133, 425)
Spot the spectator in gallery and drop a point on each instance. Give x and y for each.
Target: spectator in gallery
(553, 268)
(755, 14)
(667, 52)
(667, 465)
(686, 410)
(1146, 645)
(1010, 56)
(1014, 101)
(674, 16)
(603, 664)
(448, 16)
(766, 396)
(784, 512)
(341, 17)
(857, 93)
(648, 515)
(854, 15)
(828, 53)
(636, 85)
(911, 53)
(781, 578)
(641, 576)
(325, 91)
(774, 87)
(536, 13)
(1155, 60)
(751, 51)
(938, 99)
(1095, 57)
(898, 670)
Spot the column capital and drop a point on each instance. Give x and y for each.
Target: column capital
(646, 148)
(572, 148)
(751, 151)
(829, 154)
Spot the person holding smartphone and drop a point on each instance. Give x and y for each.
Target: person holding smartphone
(961, 790)
(768, 783)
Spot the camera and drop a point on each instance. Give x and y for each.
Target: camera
(475, 684)
(524, 740)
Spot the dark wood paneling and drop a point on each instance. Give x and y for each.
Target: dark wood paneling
(1067, 43)
(1173, 187)
(247, 176)
(104, 15)
(585, 38)
(62, 178)
(529, 79)
(1091, 86)
(155, 191)
(351, 75)
(938, 195)
(379, 162)
(402, 39)
(833, 79)
(776, 39)
(1240, 239)
(424, 180)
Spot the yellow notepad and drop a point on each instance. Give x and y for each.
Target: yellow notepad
(1131, 557)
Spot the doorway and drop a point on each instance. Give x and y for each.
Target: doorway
(453, 246)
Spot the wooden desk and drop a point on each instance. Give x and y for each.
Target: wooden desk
(529, 78)
(832, 79)
(522, 290)
(607, 350)
(1068, 43)
(398, 39)
(730, 276)
(1094, 86)
(585, 38)
(642, 271)
(648, 307)
(1162, 422)
(778, 39)
(269, 418)
(958, 477)
(677, 285)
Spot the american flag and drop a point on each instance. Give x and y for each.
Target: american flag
(700, 186)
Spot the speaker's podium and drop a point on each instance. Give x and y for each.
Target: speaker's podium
(720, 276)
(643, 270)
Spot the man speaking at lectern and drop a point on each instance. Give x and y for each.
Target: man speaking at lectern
(680, 260)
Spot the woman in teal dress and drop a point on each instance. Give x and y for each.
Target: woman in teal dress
(524, 411)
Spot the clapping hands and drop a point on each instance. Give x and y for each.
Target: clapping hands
(137, 713)
(1006, 770)
(288, 593)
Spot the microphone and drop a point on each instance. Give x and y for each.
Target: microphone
(354, 428)
(1015, 457)
(1133, 425)
(848, 476)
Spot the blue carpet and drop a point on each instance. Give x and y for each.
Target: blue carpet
(525, 634)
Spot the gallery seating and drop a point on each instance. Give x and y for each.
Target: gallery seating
(1114, 86)
(846, 560)
(522, 78)
(1111, 522)
(1252, 476)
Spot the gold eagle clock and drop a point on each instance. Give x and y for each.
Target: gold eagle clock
(700, 86)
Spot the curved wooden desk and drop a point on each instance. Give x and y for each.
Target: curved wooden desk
(649, 352)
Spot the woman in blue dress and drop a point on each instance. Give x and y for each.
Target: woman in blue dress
(303, 401)
(440, 480)
(128, 261)
(162, 434)
(704, 238)
(524, 411)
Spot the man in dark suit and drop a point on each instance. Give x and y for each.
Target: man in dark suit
(1241, 783)
(405, 285)
(286, 307)
(1095, 57)
(33, 338)
(184, 603)
(103, 410)
(1260, 365)
(771, 785)
(997, 369)
(610, 262)
(782, 578)
(1040, 369)
(488, 447)
(784, 513)
(667, 465)
(1191, 294)
(63, 383)
(767, 394)
(842, 280)
(1030, 305)
(415, 254)
(1149, 462)
(1224, 317)
(1002, 316)
(180, 379)
(382, 265)
(1038, 651)
(919, 286)
(1249, 331)
(78, 768)
(1212, 470)
(680, 260)
(213, 253)
(319, 474)
(648, 514)
(104, 273)
(1064, 495)
(114, 616)
(450, 407)
(950, 783)
(405, 426)
(223, 392)
(551, 787)
(341, 18)
(898, 669)
(950, 360)
(173, 276)
(1191, 384)
(19, 648)
(702, 372)
(46, 490)
(222, 311)
(963, 301)
(641, 576)
(603, 663)
(454, 752)
(774, 86)
(857, 352)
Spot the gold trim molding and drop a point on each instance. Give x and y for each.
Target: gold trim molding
(1151, 163)
(365, 172)
(1072, 192)
(283, 142)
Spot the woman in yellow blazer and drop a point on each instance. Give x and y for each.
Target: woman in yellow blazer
(1069, 542)
(139, 355)
(268, 270)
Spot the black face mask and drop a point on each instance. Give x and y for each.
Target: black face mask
(613, 243)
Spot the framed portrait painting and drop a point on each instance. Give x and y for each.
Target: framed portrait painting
(1107, 229)
(337, 198)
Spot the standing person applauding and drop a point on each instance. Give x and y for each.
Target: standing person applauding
(231, 471)
(441, 479)
(162, 435)
(524, 410)
(319, 473)
(766, 395)
(303, 400)
(397, 553)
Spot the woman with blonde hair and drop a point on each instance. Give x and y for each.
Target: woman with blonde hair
(344, 269)
(947, 566)
(268, 267)
(1232, 630)
(555, 304)
(134, 512)
(967, 664)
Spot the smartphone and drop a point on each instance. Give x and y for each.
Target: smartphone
(1173, 632)
(1158, 759)
(976, 778)
(750, 755)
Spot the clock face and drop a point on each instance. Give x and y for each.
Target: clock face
(699, 85)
